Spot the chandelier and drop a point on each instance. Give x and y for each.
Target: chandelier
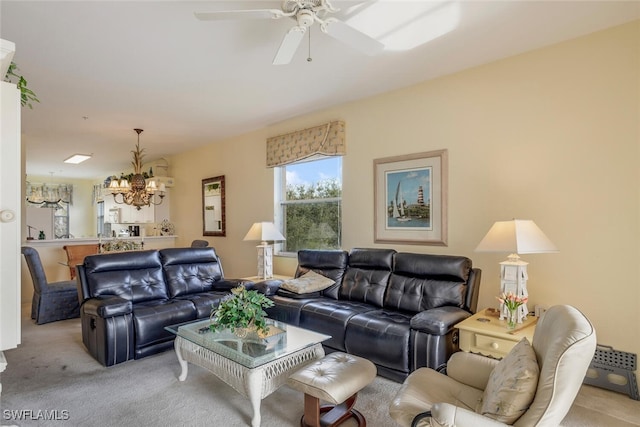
(138, 192)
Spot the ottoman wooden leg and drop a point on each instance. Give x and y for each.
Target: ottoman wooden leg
(311, 416)
(330, 415)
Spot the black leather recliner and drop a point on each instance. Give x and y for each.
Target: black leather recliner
(395, 309)
(128, 298)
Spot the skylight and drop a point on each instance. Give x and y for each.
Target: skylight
(404, 25)
(77, 158)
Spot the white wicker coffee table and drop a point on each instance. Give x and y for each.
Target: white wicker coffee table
(255, 370)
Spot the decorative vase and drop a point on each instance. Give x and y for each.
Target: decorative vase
(243, 332)
(512, 319)
(247, 331)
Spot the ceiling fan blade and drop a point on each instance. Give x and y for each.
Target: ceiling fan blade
(289, 45)
(240, 14)
(352, 37)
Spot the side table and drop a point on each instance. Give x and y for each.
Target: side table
(486, 334)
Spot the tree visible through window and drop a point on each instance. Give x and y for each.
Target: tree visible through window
(311, 204)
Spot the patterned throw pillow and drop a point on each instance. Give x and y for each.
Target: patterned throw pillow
(512, 385)
(307, 283)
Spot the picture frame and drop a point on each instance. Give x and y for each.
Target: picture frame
(410, 199)
(213, 207)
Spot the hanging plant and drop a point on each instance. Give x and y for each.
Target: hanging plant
(26, 95)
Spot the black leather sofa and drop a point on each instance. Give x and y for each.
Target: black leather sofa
(395, 309)
(128, 298)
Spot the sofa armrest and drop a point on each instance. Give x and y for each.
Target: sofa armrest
(285, 293)
(107, 306)
(446, 414)
(228, 284)
(268, 287)
(438, 321)
(470, 369)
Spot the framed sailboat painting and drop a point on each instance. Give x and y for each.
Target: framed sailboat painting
(410, 199)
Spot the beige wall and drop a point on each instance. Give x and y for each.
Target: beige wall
(551, 135)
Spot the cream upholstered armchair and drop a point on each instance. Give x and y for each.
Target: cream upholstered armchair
(532, 386)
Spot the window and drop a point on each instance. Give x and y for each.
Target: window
(309, 204)
(100, 225)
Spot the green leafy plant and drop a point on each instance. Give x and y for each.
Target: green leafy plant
(242, 309)
(27, 96)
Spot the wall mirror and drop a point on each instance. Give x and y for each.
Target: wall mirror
(213, 215)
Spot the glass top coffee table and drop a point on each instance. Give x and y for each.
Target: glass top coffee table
(254, 367)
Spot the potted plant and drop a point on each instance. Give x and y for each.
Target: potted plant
(241, 312)
(27, 96)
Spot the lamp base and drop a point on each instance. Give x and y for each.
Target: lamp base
(265, 261)
(513, 278)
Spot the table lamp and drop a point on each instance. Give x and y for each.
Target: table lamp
(518, 236)
(264, 232)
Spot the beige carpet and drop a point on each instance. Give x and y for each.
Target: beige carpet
(52, 371)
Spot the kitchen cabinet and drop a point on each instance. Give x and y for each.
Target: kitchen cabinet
(127, 214)
(131, 215)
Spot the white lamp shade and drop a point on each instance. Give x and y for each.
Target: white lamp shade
(519, 236)
(264, 231)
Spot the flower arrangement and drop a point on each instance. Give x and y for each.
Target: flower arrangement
(167, 228)
(117, 245)
(511, 301)
(240, 311)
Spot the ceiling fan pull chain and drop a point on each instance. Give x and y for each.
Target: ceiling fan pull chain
(309, 59)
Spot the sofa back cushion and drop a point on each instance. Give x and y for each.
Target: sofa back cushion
(329, 263)
(367, 275)
(134, 276)
(190, 270)
(421, 282)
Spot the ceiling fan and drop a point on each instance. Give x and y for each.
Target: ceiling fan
(305, 13)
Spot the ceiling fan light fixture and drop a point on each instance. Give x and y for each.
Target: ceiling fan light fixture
(305, 18)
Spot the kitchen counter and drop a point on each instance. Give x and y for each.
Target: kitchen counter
(88, 240)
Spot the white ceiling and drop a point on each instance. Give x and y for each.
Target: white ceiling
(103, 68)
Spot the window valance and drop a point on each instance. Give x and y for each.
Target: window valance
(49, 195)
(327, 139)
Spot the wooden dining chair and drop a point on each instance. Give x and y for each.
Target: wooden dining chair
(76, 254)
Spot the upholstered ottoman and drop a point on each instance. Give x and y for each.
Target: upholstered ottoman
(336, 378)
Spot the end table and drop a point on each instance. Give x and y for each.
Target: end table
(486, 334)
